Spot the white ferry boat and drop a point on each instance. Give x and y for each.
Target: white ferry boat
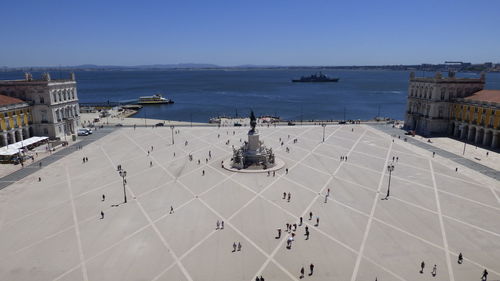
(154, 99)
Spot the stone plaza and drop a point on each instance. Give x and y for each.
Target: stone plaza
(51, 226)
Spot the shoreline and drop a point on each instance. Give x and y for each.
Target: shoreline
(125, 118)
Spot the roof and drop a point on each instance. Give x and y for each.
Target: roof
(6, 100)
(485, 96)
(14, 148)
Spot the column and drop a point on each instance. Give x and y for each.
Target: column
(477, 137)
(13, 136)
(455, 130)
(485, 138)
(469, 135)
(462, 132)
(494, 140)
(20, 133)
(4, 139)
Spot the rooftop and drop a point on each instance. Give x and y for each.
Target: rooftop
(6, 100)
(485, 96)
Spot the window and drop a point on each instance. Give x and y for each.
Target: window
(443, 91)
(459, 93)
(440, 112)
(41, 99)
(45, 131)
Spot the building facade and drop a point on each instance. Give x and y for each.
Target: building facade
(53, 103)
(15, 120)
(451, 106)
(430, 100)
(476, 119)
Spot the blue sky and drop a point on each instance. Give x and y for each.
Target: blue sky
(272, 32)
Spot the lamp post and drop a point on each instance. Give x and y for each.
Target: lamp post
(123, 174)
(390, 168)
(323, 125)
(465, 143)
(172, 128)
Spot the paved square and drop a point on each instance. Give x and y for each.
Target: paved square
(52, 230)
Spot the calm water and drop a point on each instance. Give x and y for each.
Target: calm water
(202, 94)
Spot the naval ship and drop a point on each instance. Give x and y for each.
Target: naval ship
(320, 77)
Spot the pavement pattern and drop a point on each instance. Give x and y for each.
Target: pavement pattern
(52, 229)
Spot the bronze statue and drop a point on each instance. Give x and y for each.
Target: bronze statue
(253, 121)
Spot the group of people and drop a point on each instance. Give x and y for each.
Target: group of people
(460, 260)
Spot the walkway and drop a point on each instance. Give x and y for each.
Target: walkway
(443, 153)
(33, 167)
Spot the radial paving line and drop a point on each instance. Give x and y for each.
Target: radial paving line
(390, 225)
(227, 222)
(77, 229)
(237, 211)
(370, 219)
(153, 225)
(251, 200)
(273, 253)
(441, 224)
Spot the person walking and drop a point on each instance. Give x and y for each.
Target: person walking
(302, 273)
(311, 268)
(300, 221)
(286, 171)
(203, 172)
(284, 195)
(103, 197)
(289, 195)
(222, 225)
(279, 233)
(310, 215)
(485, 275)
(422, 266)
(434, 270)
(171, 210)
(460, 258)
(217, 225)
(102, 215)
(239, 246)
(234, 247)
(317, 221)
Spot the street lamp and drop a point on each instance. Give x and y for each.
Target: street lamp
(323, 125)
(390, 168)
(172, 128)
(123, 174)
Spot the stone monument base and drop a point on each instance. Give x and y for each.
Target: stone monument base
(254, 169)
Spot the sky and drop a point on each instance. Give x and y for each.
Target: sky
(230, 33)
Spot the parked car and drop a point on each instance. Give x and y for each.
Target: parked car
(290, 123)
(119, 125)
(82, 132)
(88, 130)
(159, 125)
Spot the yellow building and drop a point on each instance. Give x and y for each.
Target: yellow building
(15, 120)
(477, 118)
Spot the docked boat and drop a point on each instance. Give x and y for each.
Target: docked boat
(154, 99)
(319, 77)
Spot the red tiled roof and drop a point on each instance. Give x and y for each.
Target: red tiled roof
(485, 96)
(6, 100)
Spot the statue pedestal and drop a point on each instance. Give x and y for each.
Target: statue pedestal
(253, 142)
